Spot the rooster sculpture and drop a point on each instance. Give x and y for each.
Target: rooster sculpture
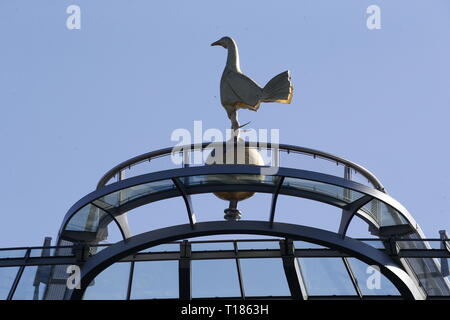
(238, 91)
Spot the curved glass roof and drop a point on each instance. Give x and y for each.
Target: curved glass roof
(88, 218)
(100, 207)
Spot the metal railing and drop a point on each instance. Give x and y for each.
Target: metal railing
(434, 249)
(118, 170)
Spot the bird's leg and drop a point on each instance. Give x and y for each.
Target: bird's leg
(234, 120)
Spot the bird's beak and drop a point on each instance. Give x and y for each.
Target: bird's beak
(217, 43)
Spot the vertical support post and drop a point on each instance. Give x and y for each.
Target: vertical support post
(347, 176)
(42, 272)
(238, 267)
(275, 199)
(445, 245)
(352, 277)
(292, 270)
(184, 271)
(123, 218)
(186, 158)
(130, 280)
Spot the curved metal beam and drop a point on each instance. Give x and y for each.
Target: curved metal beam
(275, 199)
(113, 218)
(102, 260)
(187, 201)
(349, 211)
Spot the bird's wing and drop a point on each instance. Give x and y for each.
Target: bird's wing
(242, 89)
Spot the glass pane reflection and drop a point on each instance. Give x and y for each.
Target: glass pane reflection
(230, 179)
(166, 247)
(264, 277)
(29, 288)
(121, 197)
(215, 278)
(111, 284)
(307, 245)
(326, 277)
(336, 192)
(370, 280)
(7, 276)
(86, 219)
(215, 246)
(14, 253)
(155, 279)
(383, 214)
(249, 245)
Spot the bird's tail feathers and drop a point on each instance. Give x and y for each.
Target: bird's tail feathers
(278, 89)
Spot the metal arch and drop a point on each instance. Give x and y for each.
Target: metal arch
(187, 200)
(102, 260)
(349, 211)
(240, 169)
(283, 147)
(122, 232)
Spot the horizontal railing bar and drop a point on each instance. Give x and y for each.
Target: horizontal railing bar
(225, 241)
(268, 146)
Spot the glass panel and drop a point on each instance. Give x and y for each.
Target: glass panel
(86, 219)
(7, 276)
(383, 214)
(370, 280)
(427, 269)
(111, 284)
(230, 179)
(420, 244)
(435, 244)
(264, 277)
(29, 287)
(212, 246)
(60, 252)
(412, 244)
(56, 279)
(41, 252)
(12, 253)
(378, 244)
(167, 247)
(430, 276)
(155, 279)
(215, 278)
(326, 277)
(336, 192)
(307, 245)
(121, 197)
(248, 245)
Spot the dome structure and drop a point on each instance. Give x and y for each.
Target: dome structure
(261, 256)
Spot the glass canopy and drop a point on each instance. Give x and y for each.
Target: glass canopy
(97, 213)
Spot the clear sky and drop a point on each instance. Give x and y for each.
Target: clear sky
(74, 103)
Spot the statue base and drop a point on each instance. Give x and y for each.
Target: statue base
(232, 214)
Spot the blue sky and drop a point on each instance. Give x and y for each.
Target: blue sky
(74, 103)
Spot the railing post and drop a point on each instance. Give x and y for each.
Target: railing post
(184, 272)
